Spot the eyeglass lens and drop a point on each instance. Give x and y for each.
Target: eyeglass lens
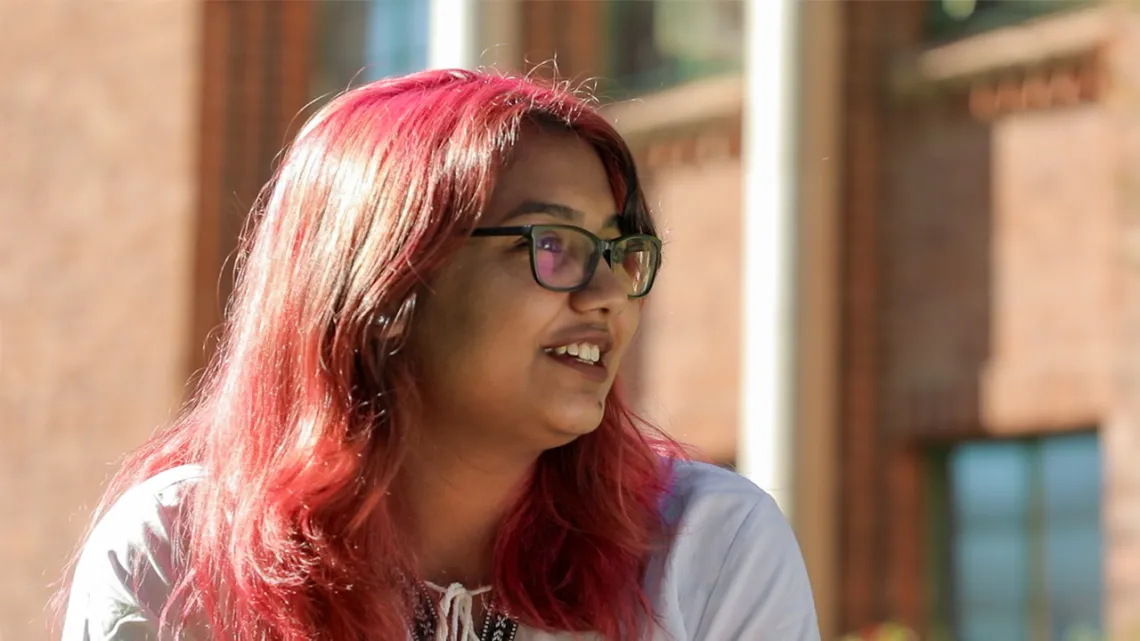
(563, 257)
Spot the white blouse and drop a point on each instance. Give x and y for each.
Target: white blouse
(733, 571)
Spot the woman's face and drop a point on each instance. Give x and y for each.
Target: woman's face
(487, 336)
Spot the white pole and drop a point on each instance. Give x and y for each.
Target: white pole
(765, 453)
(451, 34)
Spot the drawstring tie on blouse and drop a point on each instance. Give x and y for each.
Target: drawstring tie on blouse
(456, 611)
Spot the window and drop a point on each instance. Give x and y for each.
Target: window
(397, 41)
(358, 42)
(950, 19)
(655, 44)
(1024, 556)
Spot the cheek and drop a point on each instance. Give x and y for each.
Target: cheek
(485, 320)
(630, 319)
(447, 316)
(626, 324)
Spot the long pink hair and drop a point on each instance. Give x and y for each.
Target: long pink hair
(302, 417)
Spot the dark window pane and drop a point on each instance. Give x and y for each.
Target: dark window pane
(990, 501)
(992, 566)
(1026, 546)
(361, 41)
(1072, 479)
(950, 19)
(1072, 497)
(397, 40)
(990, 481)
(993, 625)
(655, 44)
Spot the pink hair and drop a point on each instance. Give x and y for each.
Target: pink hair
(301, 421)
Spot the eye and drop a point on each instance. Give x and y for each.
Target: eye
(548, 242)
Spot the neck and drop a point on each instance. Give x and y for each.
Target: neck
(454, 503)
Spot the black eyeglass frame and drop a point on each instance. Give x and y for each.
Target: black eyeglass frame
(602, 247)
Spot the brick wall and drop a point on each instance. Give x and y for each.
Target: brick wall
(1121, 430)
(938, 219)
(1003, 298)
(862, 554)
(984, 281)
(256, 60)
(97, 191)
(999, 271)
(1053, 276)
(689, 379)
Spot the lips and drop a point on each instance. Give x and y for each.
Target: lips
(594, 372)
(585, 350)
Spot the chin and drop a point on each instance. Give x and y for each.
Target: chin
(568, 427)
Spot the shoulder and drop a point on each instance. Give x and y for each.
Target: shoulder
(152, 497)
(128, 564)
(709, 508)
(708, 488)
(734, 567)
(145, 516)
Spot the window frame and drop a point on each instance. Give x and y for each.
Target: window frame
(666, 73)
(940, 27)
(941, 568)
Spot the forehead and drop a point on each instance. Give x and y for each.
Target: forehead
(554, 167)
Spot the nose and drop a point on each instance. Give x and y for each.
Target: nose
(606, 291)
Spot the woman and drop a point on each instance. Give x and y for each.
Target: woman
(412, 425)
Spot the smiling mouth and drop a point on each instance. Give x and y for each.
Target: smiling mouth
(584, 358)
(586, 353)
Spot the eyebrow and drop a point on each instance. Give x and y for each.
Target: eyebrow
(563, 212)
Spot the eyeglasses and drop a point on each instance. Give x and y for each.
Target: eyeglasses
(563, 258)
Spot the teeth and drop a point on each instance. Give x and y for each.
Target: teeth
(587, 352)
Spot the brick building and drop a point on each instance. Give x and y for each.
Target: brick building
(98, 202)
(966, 400)
(987, 321)
(967, 297)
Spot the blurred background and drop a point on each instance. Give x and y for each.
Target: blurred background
(902, 290)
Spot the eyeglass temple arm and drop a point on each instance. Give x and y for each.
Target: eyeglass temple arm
(501, 231)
